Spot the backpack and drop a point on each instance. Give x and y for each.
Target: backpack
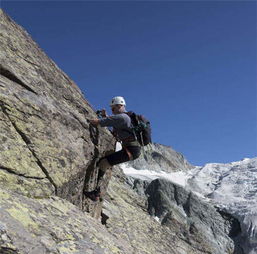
(141, 128)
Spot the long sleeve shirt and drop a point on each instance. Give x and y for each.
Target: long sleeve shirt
(121, 124)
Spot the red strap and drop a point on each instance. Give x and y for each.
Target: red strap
(129, 153)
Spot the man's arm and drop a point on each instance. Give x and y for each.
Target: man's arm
(116, 121)
(96, 122)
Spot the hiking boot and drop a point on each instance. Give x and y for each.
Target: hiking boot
(94, 195)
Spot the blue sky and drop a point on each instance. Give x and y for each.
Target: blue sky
(190, 67)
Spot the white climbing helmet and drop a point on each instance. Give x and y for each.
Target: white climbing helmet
(118, 100)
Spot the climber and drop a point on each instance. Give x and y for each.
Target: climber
(122, 130)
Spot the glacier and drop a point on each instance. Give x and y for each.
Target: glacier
(232, 187)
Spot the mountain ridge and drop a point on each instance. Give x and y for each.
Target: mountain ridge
(231, 187)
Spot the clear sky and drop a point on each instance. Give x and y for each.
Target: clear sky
(189, 66)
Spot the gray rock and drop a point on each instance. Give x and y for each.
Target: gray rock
(51, 226)
(158, 157)
(48, 146)
(137, 185)
(200, 223)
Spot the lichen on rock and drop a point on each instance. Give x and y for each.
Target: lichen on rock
(48, 146)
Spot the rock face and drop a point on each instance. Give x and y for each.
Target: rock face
(232, 187)
(180, 222)
(52, 226)
(199, 222)
(47, 146)
(48, 156)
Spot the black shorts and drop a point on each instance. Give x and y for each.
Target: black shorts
(122, 155)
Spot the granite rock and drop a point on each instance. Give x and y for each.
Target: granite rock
(48, 146)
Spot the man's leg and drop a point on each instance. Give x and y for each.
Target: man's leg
(124, 155)
(103, 166)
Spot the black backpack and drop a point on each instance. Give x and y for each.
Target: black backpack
(141, 128)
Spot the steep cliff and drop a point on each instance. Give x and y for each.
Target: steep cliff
(47, 145)
(48, 157)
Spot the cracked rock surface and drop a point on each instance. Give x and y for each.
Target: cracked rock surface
(52, 226)
(47, 145)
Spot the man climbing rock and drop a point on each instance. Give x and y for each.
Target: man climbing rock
(122, 130)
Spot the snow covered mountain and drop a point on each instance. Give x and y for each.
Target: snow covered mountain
(230, 187)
